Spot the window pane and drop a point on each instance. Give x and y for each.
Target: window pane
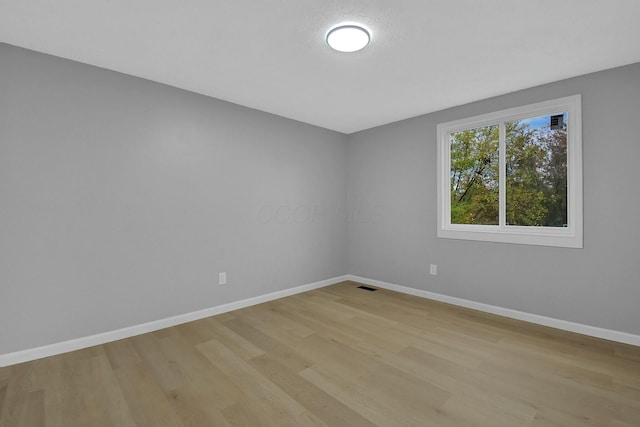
(536, 168)
(474, 176)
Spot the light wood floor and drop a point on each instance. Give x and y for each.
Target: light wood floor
(339, 356)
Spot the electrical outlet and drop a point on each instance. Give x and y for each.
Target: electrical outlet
(222, 278)
(433, 269)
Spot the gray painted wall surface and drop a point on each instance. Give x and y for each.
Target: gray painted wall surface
(121, 200)
(392, 188)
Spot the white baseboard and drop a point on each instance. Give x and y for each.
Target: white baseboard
(130, 331)
(118, 334)
(593, 331)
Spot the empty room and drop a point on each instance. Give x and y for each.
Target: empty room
(319, 213)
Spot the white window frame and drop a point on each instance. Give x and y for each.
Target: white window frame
(570, 236)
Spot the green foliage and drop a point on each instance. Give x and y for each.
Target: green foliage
(536, 175)
(525, 206)
(474, 176)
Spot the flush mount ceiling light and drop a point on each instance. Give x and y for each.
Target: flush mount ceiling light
(348, 38)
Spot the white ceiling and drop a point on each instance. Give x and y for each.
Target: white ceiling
(425, 55)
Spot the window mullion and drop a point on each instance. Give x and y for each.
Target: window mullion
(502, 176)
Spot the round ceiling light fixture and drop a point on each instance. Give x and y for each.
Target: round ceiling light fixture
(348, 38)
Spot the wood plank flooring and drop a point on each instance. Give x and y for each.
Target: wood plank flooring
(338, 356)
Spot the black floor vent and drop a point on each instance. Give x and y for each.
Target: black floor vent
(366, 288)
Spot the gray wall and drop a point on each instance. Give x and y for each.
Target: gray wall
(392, 197)
(122, 199)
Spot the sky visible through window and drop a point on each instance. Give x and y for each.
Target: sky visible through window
(541, 122)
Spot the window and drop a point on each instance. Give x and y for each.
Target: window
(513, 176)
